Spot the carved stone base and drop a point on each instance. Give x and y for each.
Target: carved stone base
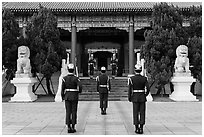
(182, 85)
(22, 75)
(181, 74)
(23, 90)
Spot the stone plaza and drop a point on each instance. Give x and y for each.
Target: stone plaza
(113, 36)
(48, 118)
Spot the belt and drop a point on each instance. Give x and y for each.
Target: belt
(104, 86)
(71, 90)
(139, 90)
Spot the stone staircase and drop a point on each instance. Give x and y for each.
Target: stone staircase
(118, 89)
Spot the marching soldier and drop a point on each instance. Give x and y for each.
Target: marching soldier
(103, 87)
(71, 87)
(137, 95)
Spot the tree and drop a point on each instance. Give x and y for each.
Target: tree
(10, 33)
(195, 56)
(195, 16)
(195, 41)
(161, 43)
(45, 44)
(166, 35)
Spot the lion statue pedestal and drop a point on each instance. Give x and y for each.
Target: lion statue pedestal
(182, 86)
(23, 80)
(24, 89)
(182, 78)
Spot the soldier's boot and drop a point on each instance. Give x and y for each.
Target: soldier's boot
(73, 128)
(69, 129)
(141, 129)
(137, 130)
(104, 111)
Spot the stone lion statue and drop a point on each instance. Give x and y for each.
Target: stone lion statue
(23, 61)
(182, 61)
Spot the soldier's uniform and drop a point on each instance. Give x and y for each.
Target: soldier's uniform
(91, 66)
(137, 95)
(71, 87)
(103, 87)
(114, 66)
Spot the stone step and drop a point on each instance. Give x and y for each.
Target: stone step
(88, 95)
(118, 90)
(97, 99)
(84, 97)
(96, 93)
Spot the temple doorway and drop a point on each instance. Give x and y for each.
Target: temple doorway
(102, 43)
(102, 59)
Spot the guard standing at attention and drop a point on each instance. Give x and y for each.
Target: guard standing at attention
(114, 65)
(137, 95)
(103, 87)
(91, 65)
(71, 87)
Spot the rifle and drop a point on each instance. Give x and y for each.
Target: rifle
(76, 68)
(76, 71)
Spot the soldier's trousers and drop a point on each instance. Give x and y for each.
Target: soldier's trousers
(114, 70)
(71, 111)
(91, 72)
(139, 113)
(103, 100)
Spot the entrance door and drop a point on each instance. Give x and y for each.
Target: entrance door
(102, 58)
(102, 62)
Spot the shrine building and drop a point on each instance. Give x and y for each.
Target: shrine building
(100, 29)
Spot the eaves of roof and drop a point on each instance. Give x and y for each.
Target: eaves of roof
(91, 6)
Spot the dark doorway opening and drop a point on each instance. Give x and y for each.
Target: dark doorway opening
(102, 62)
(102, 58)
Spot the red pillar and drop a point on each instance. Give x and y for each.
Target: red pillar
(73, 41)
(24, 28)
(131, 48)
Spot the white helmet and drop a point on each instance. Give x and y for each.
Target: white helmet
(138, 67)
(70, 66)
(103, 69)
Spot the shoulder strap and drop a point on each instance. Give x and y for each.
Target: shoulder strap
(63, 79)
(77, 78)
(130, 81)
(108, 79)
(108, 82)
(97, 78)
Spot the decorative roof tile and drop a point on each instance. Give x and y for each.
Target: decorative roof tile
(91, 6)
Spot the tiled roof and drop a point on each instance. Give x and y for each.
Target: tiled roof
(90, 6)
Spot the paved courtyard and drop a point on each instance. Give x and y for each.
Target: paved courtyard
(47, 118)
